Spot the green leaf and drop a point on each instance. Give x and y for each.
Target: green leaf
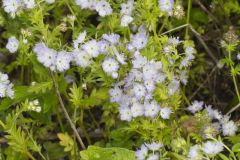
(54, 151)
(114, 153)
(222, 156)
(236, 147)
(96, 98)
(66, 141)
(75, 95)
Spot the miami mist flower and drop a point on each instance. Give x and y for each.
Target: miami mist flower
(6, 88)
(212, 148)
(12, 44)
(11, 6)
(166, 6)
(110, 66)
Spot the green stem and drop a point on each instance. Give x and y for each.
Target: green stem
(174, 29)
(233, 76)
(73, 13)
(162, 27)
(185, 98)
(30, 156)
(188, 18)
(22, 74)
(60, 121)
(83, 127)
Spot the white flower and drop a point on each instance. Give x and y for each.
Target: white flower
(126, 20)
(229, 128)
(150, 71)
(139, 90)
(84, 3)
(142, 153)
(139, 61)
(110, 65)
(194, 153)
(80, 39)
(112, 38)
(6, 88)
(196, 106)
(91, 47)
(50, 1)
(139, 40)
(45, 55)
(213, 114)
(127, 8)
(63, 61)
(238, 56)
(25, 41)
(154, 146)
(116, 94)
(150, 85)
(12, 44)
(114, 75)
(165, 112)
(183, 77)
(174, 41)
(11, 6)
(212, 148)
(103, 46)
(29, 3)
(173, 87)
(189, 50)
(154, 156)
(34, 106)
(121, 59)
(151, 109)
(125, 113)
(103, 8)
(166, 5)
(81, 58)
(137, 109)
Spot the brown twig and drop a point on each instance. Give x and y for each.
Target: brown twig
(203, 43)
(66, 113)
(202, 85)
(207, 11)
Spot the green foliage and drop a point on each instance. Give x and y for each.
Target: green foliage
(195, 47)
(114, 153)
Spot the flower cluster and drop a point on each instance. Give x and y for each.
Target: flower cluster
(6, 88)
(136, 97)
(34, 106)
(209, 148)
(227, 126)
(51, 58)
(83, 54)
(126, 13)
(12, 6)
(149, 151)
(166, 6)
(102, 7)
(135, 94)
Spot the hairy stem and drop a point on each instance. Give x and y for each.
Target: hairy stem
(66, 113)
(233, 76)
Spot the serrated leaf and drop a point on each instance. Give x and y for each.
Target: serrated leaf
(75, 95)
(96, 98)
(66, 141)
